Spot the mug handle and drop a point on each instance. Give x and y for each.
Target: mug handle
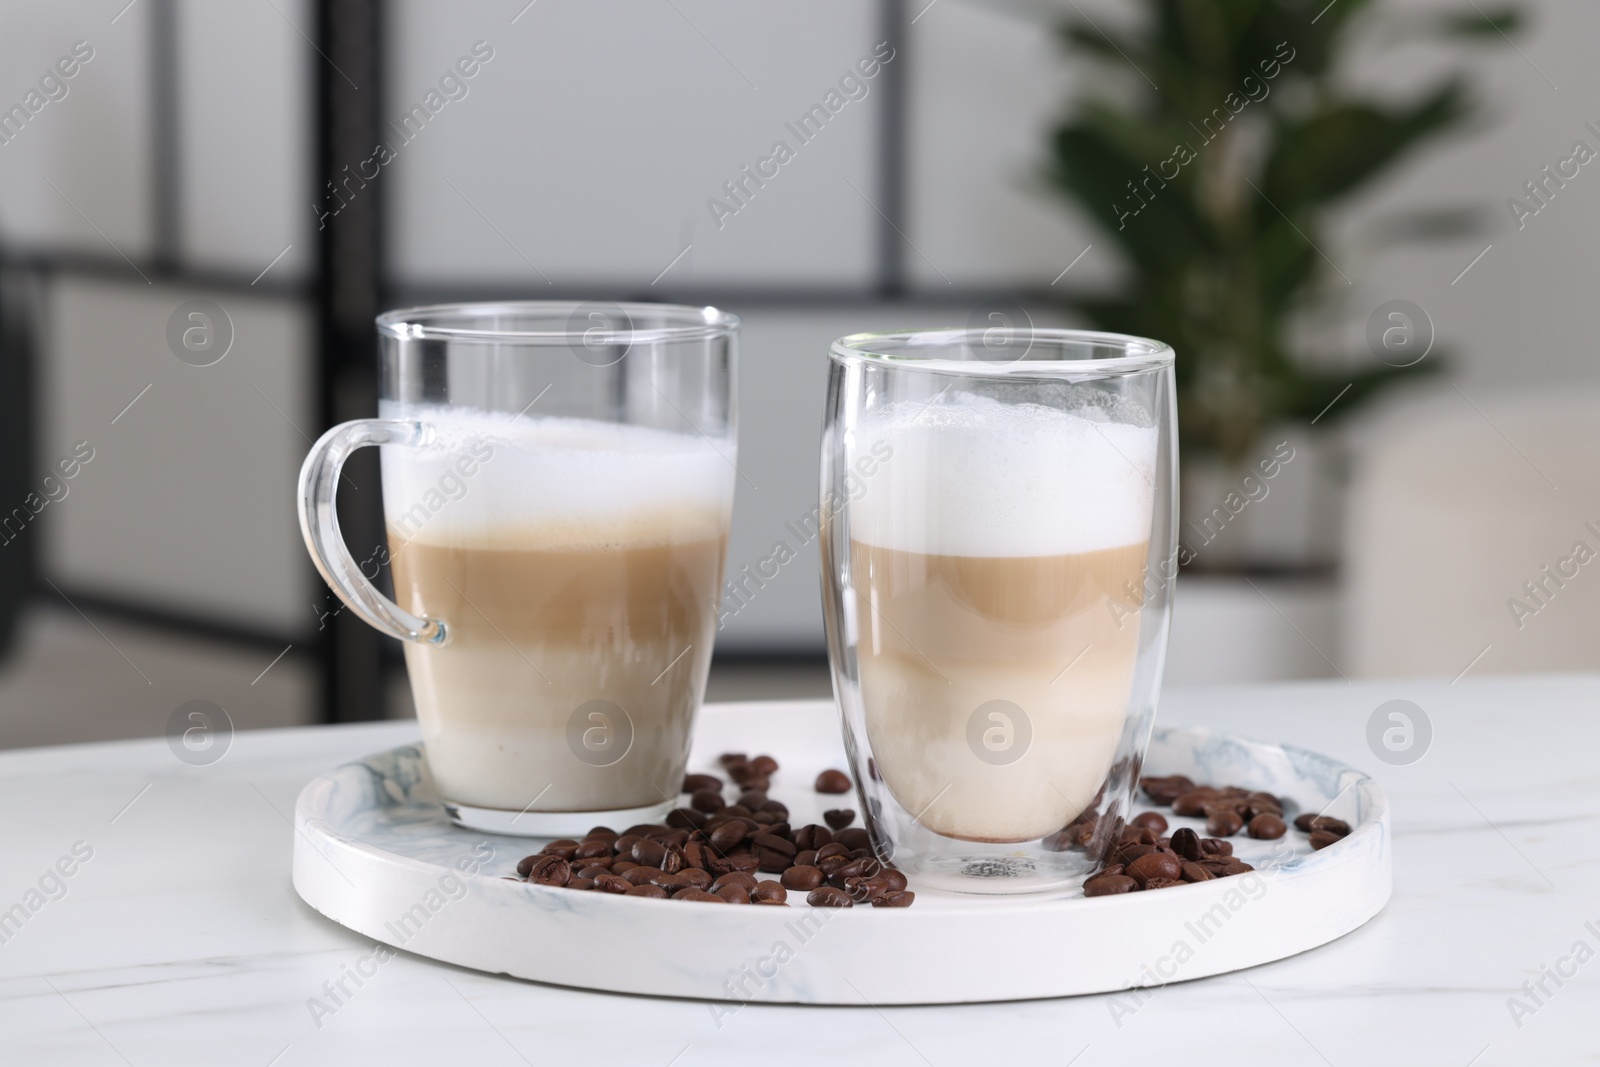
(319, 525)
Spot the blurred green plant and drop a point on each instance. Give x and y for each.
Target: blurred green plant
(1214, 178)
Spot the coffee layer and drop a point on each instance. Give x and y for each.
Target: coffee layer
(995, 688)
(542, 639)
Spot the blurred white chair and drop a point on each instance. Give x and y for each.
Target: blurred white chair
(1461, 509)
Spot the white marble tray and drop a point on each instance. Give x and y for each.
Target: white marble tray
(374, 851)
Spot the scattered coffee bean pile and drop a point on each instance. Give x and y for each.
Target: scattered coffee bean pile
(711, 851)
(1227, 810)
(1143, 859)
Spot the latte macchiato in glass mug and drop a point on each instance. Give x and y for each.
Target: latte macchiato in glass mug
(557, 484)
(998, 528)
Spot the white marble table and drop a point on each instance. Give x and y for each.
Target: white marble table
(180, 941)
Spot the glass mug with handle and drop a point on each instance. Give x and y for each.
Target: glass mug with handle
(557, 486)
(999, 522)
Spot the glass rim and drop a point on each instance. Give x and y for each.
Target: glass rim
(1141, 353)
(452, 322)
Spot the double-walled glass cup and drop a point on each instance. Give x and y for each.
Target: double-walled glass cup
(999, 523)
(557, 485)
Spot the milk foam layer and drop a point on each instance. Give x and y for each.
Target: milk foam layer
(971, 476)
(495, 479)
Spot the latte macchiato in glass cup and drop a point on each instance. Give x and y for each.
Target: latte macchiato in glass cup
(999, 523)
(558, 484)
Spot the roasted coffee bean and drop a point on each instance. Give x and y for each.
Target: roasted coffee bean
(673, 861)
(623, 846)
(734, 894)
(1193, 872)
(1263, 804)
(1154, 865)
(866, 889)
(832, 781)
(833, 848)
(1108, 885)
(669, 882)
(743, 861)
(1186, 843)
(1138, 835)
(896, 880)
(694, 855)
(1302, 822)
(901, 899)
(642, 829)
(853, 838)
(591, 849)
(611, 883)
(648, 853)
(622, 865)
(1267, 827)
(707, 800)
(838, 818)
(1329, 825)
(829, 897)
(806, 858)
(1057, 842)
(698, 896)
(695, 877)
(601, 831)
(642, 875)
(732, 757)
(647, 891)
(770, 892)
(1127, 854)
(776, 809)
(591, 872)
(803, 879)
(1151, 820)
(771, 862)
(765, 765)
(564, 848)
(1224, 823)
(694, 783)
(737, 809)
(742, 772)
(1211, 846)
(812, 837)
(687, 818)
(1321, 839)
(727, 837)
(1165, 790)
(775, 843)
(580, 884)
(1193, 802)
(765, 818)
(864, 867)
(549, 869)
(752, 799)
(525, 864)
(1163, 883)
(738, 878)
(673, 837)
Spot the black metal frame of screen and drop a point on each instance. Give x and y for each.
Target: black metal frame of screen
(348, 288)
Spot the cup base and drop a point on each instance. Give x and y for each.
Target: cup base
(573, 824)
(990, 875)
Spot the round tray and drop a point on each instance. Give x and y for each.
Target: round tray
(374, 851)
